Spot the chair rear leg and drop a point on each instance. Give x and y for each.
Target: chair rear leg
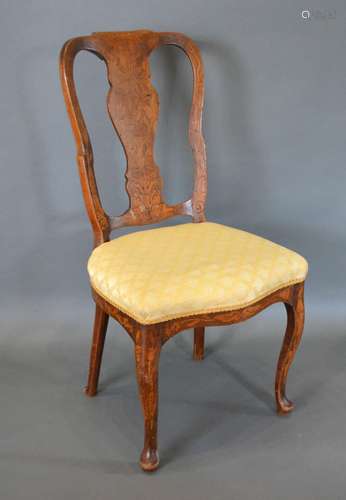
(198, 343)
(294, 331)
(99, 335)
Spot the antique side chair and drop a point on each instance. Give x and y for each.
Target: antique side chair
(158, 282)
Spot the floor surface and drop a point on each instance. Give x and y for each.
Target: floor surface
(218, 432)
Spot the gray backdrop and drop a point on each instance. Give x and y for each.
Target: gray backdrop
(274, 122)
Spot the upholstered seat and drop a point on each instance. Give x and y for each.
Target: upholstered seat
(184, 270)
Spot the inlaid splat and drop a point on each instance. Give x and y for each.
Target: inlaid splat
(133, 106)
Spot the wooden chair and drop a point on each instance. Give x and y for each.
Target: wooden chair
(158, 282)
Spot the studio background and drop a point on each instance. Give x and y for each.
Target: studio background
(274, 123)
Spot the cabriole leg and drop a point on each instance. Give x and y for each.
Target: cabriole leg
(294, 331)
(147, 353)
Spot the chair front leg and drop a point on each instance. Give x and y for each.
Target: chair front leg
(294, 331)
(99, 335)
(147, 353)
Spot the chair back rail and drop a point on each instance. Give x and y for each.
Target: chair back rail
(133, 107)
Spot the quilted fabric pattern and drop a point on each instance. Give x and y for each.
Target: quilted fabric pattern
(170, 272)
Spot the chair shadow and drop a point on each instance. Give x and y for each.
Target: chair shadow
(221, 344)
(104, 466)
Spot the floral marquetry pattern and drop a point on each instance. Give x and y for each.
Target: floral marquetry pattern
(133, 105)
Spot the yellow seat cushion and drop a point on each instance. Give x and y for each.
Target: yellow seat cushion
(189, 269)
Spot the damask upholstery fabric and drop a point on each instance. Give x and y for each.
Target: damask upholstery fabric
(188, 269)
